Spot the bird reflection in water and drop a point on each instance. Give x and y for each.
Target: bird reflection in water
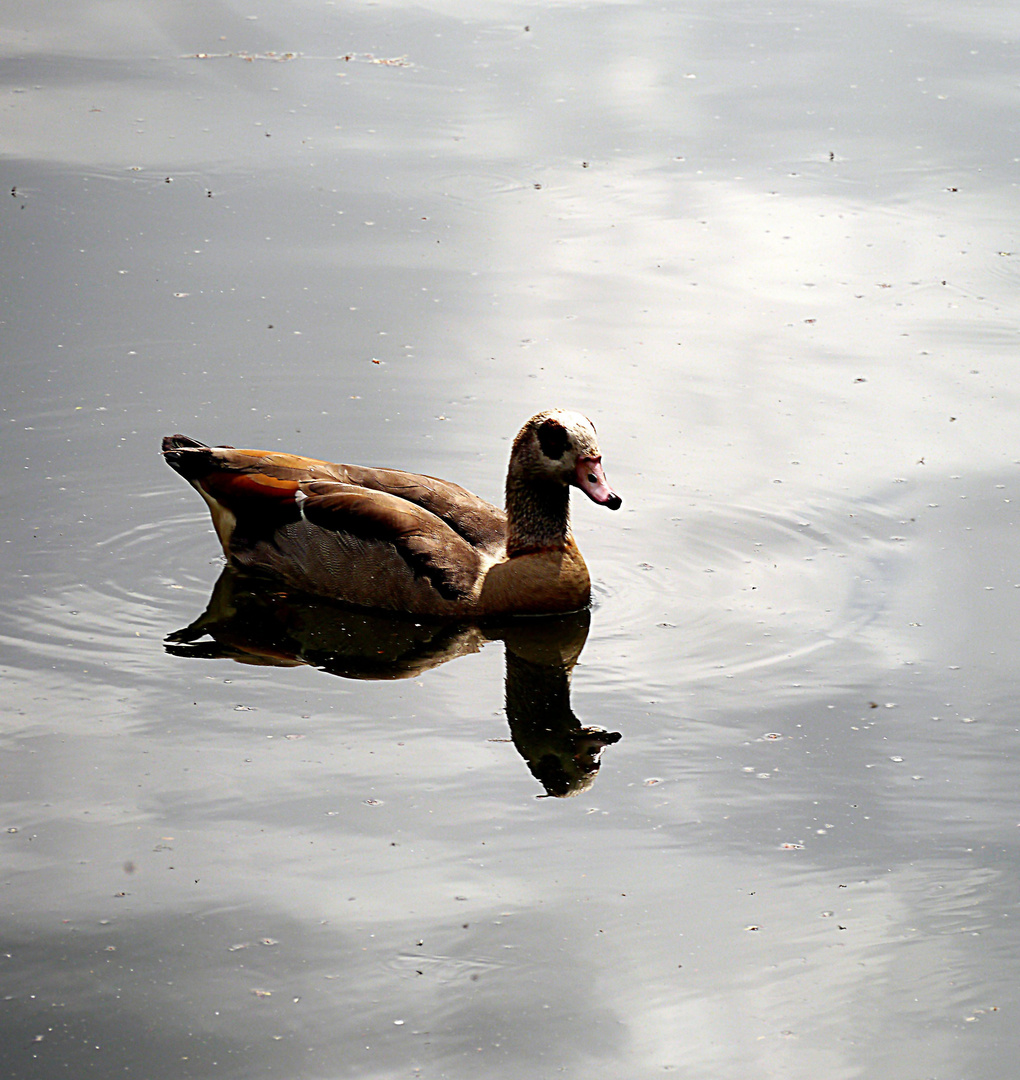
(253, 621)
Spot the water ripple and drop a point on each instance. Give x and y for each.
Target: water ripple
(743, 589)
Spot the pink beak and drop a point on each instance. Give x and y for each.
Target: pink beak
(590, 478)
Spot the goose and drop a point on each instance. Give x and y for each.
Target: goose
(401, 542)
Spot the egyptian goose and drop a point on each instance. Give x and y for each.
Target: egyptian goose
(402, 542)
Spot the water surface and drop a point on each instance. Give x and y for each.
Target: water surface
(773, 254)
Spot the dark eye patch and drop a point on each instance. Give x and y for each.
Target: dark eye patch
(553, 438)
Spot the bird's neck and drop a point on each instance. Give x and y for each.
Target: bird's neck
(538, 516)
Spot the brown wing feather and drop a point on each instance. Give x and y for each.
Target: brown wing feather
(429, 546)
(478, 521)
(216, 469)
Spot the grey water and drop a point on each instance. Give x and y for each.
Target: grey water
(756, 815)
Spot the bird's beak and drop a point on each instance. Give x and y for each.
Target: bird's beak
(590, 478)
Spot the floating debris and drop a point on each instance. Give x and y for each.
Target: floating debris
(283, 57)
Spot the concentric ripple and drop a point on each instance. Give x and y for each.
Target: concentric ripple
(108, 608)
(738, 589)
